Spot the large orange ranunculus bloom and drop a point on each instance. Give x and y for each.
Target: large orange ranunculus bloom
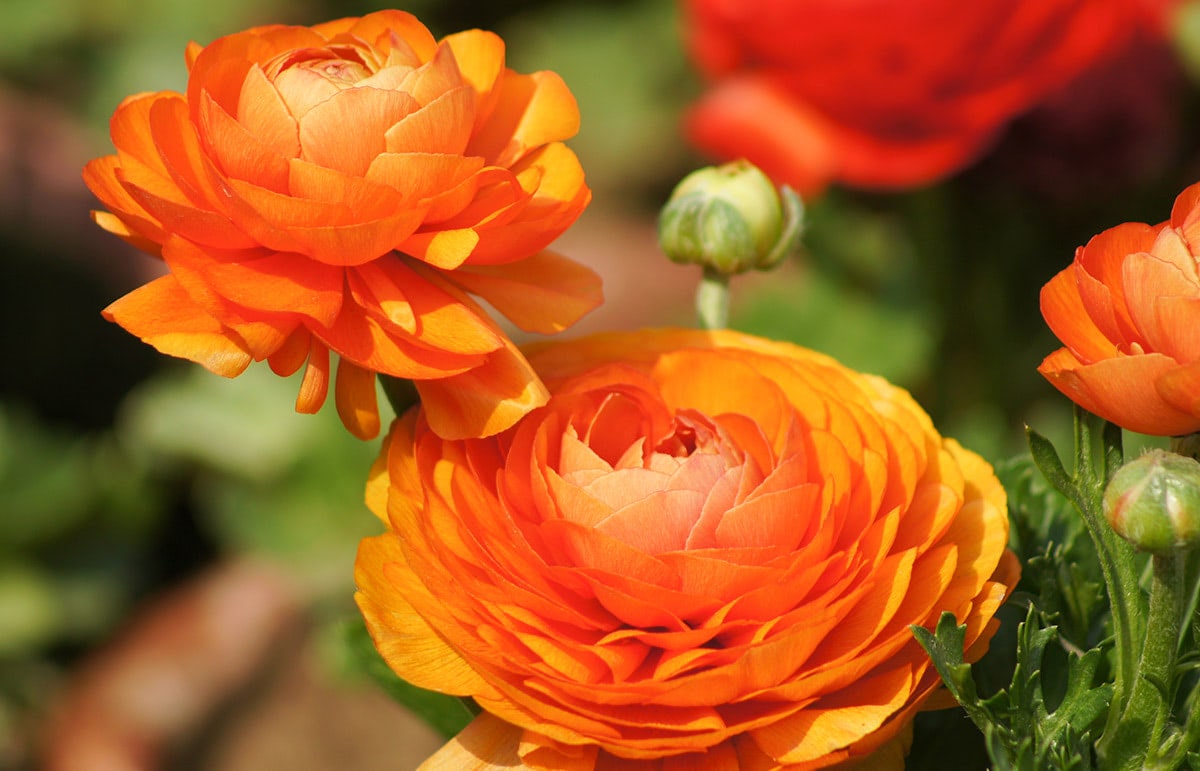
(705, 551)
(342, 188)
(1128, 313)
(885, 94)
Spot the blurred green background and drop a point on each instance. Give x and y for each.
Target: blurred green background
(123, 473)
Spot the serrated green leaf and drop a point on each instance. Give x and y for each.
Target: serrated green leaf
(1084, 703)
(945, 647)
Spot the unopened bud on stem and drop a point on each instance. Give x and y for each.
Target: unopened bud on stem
(730, 219)
(1154, 502)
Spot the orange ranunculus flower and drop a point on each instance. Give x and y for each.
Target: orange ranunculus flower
(705, 551)
(1128, 313)
(884, 94)
(342, 188)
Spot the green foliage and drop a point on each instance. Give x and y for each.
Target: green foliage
(265, 480)
(1097, 680)
(55, 584)
(1023, 729)
(873, 336)
(1060, 569)
(630, 83)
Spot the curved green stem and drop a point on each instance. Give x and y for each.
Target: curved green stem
(1137, 738)
(712, 300)
(1117, 561)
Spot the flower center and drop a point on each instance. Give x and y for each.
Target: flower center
(655, 501)
(307, 77)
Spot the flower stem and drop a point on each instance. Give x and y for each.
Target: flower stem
(1137, 737)
(1117, 560)
(712, 300)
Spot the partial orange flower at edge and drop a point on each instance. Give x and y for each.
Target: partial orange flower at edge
(1127, 310)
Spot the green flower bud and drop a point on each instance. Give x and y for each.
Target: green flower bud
(1154, 502)
(730, 219)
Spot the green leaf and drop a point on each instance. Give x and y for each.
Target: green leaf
(1045, 457)
(945, 647)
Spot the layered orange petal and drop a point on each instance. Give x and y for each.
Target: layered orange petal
(162, 314)
(1128, 310)
(543, 293)
(303, 168)
(703, 547)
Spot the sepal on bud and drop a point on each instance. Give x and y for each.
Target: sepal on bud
(1154, 502)
(730, 219)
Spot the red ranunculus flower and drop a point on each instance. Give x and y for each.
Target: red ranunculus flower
(705, 551)
(886, 94)
(1128, 313)
(343, 188)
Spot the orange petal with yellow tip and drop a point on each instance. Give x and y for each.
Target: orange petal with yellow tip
(531, 110)
(133, 235)
(356, 401)
(484, 400)
(359, 337)
(314, 387)
(102, 176)
(162, 314)
(420, 306)
(399, 630)
(835, 725)
(376, 494)
(384, 27)
(445, 249)
(480, 58)
(487, 744)
(560, 196)
(543, 293)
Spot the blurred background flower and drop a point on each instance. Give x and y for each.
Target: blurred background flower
(127, 482)
(886, 95)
